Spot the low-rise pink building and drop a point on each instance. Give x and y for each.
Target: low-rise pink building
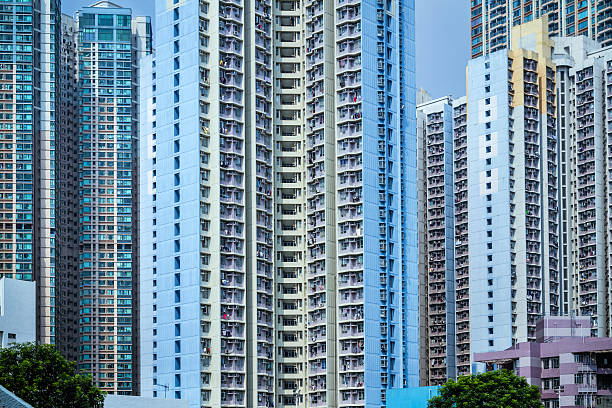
(571, 368)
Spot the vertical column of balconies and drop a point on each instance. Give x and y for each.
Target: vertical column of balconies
(513, 199)
(386, 137)
(436, 245)
(290, 209)
(553, 9)
(320, 233)
(533, 195)
(498, 24)
(462, 277)
(608, 138)
(230, 215)
(232, 278)
(586, 161)
(349, 139)
(603, 19)
(260, 206)
(550, 148)
(67, 196)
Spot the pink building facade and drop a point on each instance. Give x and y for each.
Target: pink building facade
(571, 368)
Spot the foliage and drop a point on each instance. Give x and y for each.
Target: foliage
(42, 377)
(494, 389)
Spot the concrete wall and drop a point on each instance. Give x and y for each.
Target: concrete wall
(410, 397)
(122, 401)
(17, 311)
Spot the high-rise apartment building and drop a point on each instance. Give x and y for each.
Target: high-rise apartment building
(110, 43)
(512, 190)
(489, 236)
(66, 193)
(278, 247)
(492, 20)
(462, 252)
(583, 74)
(436, 240)
(30, 227)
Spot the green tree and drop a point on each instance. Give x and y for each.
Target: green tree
(495, 389)
(42, 377)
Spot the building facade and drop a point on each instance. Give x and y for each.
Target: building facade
(571, 368)
(31, 226)
(583, 73)
(489, 236)
(110, 43)
(492, 21)
(435, 124)
(281, 171)
(17, 311)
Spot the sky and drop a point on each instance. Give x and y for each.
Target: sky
(442, 36)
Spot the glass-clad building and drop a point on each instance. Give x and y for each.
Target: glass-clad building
(110, 43)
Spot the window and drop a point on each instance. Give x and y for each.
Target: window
(105, 20)
(177, 329)
(124, 35)
(491, 343)
(123, 20)
(87, 19)
(105, 34)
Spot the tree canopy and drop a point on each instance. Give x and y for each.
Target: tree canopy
(494, 389)
(41, 376)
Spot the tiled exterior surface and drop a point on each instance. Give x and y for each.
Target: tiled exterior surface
(9, 400)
